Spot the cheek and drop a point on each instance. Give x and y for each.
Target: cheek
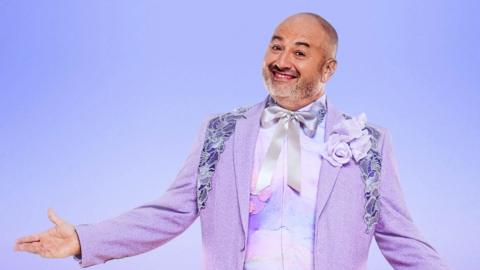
(265, 69)
(268, 59)
(310, 70)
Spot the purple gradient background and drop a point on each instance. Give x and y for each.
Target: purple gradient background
(100, 101)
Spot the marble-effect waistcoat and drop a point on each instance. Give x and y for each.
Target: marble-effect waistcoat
(281, 220)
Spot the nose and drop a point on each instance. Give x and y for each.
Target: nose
(283, 61)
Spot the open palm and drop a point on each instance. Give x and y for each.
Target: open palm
(58, 242)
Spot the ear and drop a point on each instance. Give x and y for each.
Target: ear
(328, 69)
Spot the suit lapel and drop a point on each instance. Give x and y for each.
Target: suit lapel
(245, 139)
(328, 172)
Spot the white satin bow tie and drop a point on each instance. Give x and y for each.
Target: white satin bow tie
(288, 123)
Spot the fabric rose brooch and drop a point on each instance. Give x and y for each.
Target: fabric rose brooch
(349, 138)
(352, 138)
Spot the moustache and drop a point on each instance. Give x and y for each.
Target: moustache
(285, 71)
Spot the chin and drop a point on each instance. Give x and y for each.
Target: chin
(290, 92)
(282, 95)
(283, 91)
(278, 92)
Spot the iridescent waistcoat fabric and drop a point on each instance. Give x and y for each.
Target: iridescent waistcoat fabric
(281, 220)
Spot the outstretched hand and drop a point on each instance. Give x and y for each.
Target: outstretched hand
(58, 242)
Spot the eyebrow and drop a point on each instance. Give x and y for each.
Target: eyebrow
(298, 43)
(276, 37)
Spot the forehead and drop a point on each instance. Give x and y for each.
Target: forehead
(301, 29)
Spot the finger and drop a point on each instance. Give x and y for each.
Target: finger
(54, 218)
(29, 247)
(20, 247)
(28, 239)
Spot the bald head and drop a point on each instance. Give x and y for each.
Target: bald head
(300, 59)
(318, 25)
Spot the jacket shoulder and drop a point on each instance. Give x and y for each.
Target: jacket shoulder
(219, 129)
(376, 130)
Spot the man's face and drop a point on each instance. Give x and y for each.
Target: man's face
(293, 62)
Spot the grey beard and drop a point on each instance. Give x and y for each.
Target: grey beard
(299, 91)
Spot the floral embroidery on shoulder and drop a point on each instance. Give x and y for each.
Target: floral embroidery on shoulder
(371, 167)
(219, 129)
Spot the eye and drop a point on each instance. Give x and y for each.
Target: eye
(300, 53)
(276, 47)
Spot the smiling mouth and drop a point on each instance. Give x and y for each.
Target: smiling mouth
(282, 76)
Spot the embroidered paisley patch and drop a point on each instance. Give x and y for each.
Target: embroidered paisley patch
(370, 167)
(219, 129)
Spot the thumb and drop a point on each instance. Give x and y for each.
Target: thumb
(54, 218)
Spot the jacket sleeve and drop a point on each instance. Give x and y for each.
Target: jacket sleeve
(147, 226)
(397, 237)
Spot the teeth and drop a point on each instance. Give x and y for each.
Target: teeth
(283, 75)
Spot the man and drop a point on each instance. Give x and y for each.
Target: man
(289, 183)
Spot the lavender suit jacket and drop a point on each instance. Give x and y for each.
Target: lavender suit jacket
(340, 240)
